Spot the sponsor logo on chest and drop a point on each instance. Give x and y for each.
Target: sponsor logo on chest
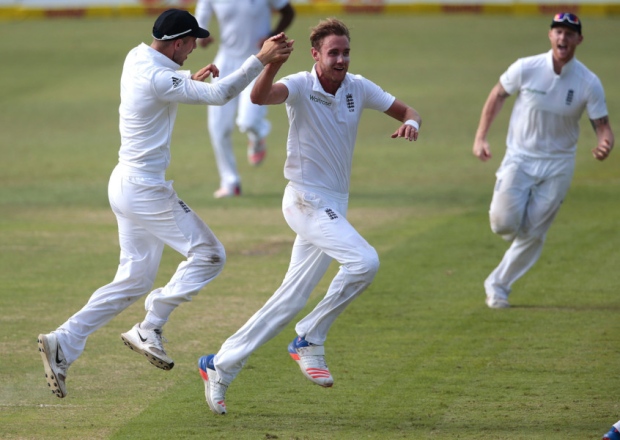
(320, 101)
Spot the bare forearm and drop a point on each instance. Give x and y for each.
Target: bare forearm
(287, 13)
(490, 110)
(605, 137)
(263, 85)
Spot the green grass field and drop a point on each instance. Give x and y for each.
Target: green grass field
(417, 356)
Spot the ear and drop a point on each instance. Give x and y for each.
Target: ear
(315, 54)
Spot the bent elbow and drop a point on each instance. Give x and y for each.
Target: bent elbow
(256, 99)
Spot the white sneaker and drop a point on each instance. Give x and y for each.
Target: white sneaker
(215, 391)
(497, 302)
(55, 364)
(150, 344)
(224, 192)
(311, 360)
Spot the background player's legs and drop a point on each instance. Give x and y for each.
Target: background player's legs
(252, 120)
(221, 122)
(544, 203)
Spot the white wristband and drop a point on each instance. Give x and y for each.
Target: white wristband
(413, 123)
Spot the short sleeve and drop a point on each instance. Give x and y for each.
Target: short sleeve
(596, 106)
(376, 97)
(293, 84)
(511, 78)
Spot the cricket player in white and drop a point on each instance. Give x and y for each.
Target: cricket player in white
(148, 211)
(554, 89)
(244, 25)
(324, 107)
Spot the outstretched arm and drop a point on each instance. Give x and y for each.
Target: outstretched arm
(265, 92)
(605, 137)
(490, 110)
(408, 116)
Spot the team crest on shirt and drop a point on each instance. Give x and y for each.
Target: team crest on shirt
(569, 96)
(176, 82)
(350, 103)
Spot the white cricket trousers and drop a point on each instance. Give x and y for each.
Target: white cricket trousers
(528, 195)
(323, 234)
(149, 215)
(251, 120)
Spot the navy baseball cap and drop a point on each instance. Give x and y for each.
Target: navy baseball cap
(568, 20)
(177, 23)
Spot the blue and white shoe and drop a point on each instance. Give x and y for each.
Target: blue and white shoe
(215, 391)
(311, 360)
(613, 434)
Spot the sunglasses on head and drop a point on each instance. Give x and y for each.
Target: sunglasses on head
(566, 17)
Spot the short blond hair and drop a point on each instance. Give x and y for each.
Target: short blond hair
(325, 28)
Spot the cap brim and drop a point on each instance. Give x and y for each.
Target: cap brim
(202, 33)
(566, 24)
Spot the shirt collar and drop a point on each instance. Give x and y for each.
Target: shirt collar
(159, 57)
(565, 69)
(317, 87)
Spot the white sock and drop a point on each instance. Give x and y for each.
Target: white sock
(145, 325)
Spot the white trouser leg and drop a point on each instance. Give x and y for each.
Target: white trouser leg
(522, 210)
(252, 118)
(323, 234)
(221, 120)
(307, 267)
(149, 215)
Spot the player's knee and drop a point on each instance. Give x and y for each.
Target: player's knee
(369, 265)
(504, 226)
(211, 261)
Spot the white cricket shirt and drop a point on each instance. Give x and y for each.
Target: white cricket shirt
(545, 118)
(323, 128)
(151, 88)
(242, 23)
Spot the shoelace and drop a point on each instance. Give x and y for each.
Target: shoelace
(219, 390)
(159, 340)
(315, 362)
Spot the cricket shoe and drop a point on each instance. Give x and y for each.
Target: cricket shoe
(497, 302)
(55, 364)
(225, 192)
(257, 150)
(613, 434)
(215, 391)
(311, 360)
(150, 344)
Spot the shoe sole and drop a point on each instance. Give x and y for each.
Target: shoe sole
(497, 304)
(154, 360)
(210, 404)
(50, 377)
